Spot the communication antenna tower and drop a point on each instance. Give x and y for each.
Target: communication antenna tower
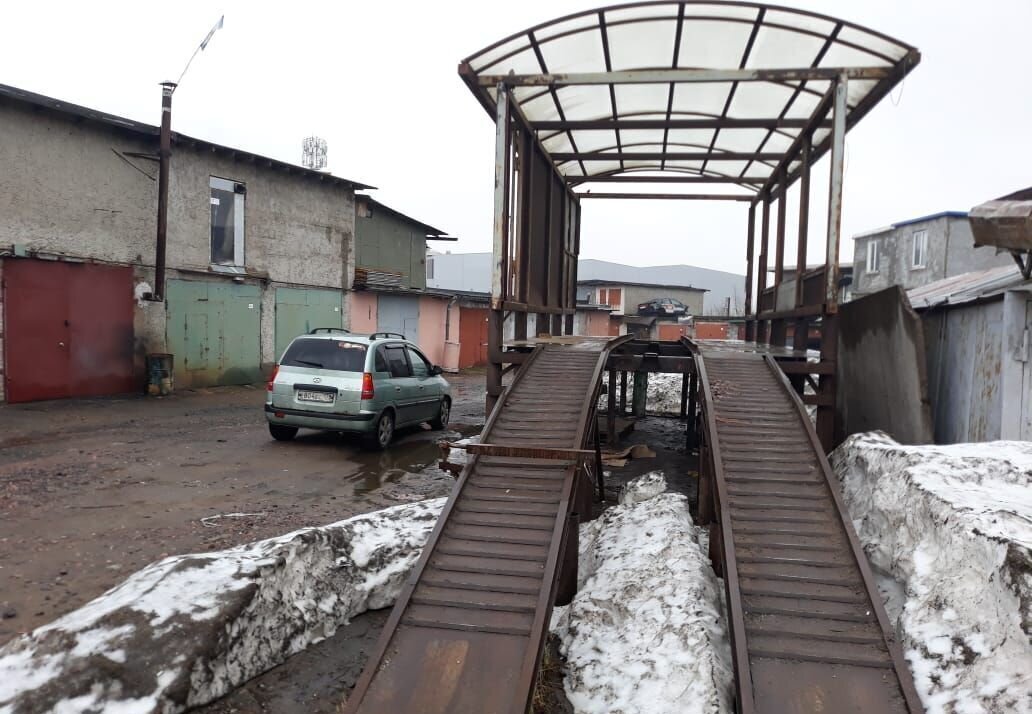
(313, 153)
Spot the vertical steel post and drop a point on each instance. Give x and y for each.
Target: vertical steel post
(750, 325)
(800, 332)
(641, 389)
(761, 277)
(164, 159)
(838, 149)
(611, 410)
(684, 394)
(829, 320)
(500, 248)
(692, 436)
(777, 326)
(600, 474)
(623, 392)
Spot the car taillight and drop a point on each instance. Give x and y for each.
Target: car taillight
(272, 378)
(367, 385)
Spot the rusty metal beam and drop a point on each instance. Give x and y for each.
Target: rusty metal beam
(670, 196)
(709, 123)
(715, 155)
(666, 76)
(634, 178)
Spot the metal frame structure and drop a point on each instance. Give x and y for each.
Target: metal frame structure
(755, 127)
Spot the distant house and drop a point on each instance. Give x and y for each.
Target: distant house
(257, 250)
(472, 272)
(389, 291)
(625, 297)
(919, 251)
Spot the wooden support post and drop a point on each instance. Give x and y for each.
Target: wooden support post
(623, 393)
(641, 389)
(684, 395)
(600, 474)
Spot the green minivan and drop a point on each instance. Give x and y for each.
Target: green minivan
(333, 380)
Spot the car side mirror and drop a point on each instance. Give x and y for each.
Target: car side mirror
(436, 370)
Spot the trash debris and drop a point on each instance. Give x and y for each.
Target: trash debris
(209, 521)
(620, 458)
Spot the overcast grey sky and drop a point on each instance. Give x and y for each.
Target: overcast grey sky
(378, 81)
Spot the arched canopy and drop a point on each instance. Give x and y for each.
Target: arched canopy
(722, 91)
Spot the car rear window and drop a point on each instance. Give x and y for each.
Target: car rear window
(325, 354)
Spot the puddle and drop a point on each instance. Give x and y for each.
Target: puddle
(412, 452)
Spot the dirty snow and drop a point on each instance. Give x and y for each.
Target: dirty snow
(187, 629)
(645, 631)
(663, 395)
(952, 526)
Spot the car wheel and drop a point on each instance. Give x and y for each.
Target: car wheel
(281, 432)
(441, 420)
(383, 433)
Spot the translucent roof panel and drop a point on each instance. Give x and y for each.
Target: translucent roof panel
(558, 74)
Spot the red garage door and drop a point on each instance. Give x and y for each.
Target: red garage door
(69, 330)
(472, 337)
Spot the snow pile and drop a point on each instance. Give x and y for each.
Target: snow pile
(645, 631)
(663, 395)
(186, 630)
(953, 526)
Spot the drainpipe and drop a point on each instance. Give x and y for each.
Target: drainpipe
(447, 317)
(164, 157)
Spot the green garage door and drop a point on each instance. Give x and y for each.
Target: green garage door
(213, 331)
(300, 310)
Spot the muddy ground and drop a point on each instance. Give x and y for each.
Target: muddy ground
(94, 489)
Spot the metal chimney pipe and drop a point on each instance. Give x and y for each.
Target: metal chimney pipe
(164, 157)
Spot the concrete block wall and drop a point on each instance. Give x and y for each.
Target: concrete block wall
(69, 189)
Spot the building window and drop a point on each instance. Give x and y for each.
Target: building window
(429, 267)
(227, 221)
(602, 296)
(615, 296)
(872, 257)
(920, 249)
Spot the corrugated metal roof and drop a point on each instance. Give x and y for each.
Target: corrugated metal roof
(968, 287)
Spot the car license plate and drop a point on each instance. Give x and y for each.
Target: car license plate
(303, 395)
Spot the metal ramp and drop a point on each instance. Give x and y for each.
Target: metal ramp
(467, 631)
(808, 629)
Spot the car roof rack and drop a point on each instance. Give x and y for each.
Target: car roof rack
(376, 335)
(317, 330)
